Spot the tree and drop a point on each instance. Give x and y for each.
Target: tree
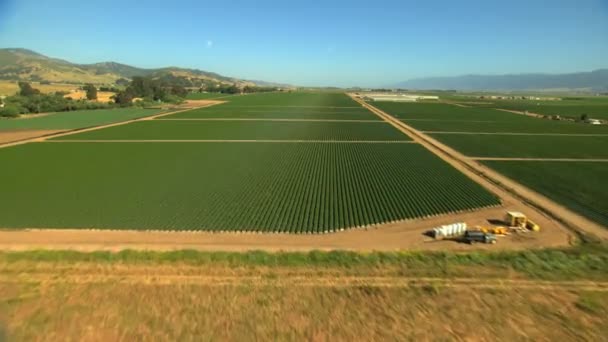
(584, 117)
(9, 111)
(25, 89)
(91, 92)
(123, 98)
(179, 91)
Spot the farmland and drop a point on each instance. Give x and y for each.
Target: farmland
(73, 120)
(528, 146)
(229, 186)
(576, 183)
(579, 185)
(594, 107)
(241, 130)
(185, 173)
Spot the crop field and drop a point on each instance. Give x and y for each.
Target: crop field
(531, 125)
(579, 185)
(294, 99)
(596, 108)
(245, 130)
(295, 188)
(445, 112)
(186, 173)
(527, 146)
(75, 119)
(438, 117)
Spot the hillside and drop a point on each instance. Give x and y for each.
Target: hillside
(583, 81)
(26, 65)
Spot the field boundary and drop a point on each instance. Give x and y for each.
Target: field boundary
(94, 128)
(513, 189)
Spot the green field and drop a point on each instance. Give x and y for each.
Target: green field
(594, 107)
(228, 186)
(441, 111)
(581, 186)
(76, 119)
(527, 146)
(294, 99)
(531, 125)
(207, 96)
(229, 110)
(245, 130)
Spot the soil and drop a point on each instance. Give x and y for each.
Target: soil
(12, 136)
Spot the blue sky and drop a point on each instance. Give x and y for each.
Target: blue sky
(343, 43)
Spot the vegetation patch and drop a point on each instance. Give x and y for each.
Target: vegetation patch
(296, 188)
(580, 186)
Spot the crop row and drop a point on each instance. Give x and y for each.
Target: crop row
(298, 188)
(245, 130)
(76, 119)
(581, 186)
(527, 146)
(281, 113)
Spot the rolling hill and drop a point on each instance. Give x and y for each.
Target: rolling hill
(583, 81)
(26, 65)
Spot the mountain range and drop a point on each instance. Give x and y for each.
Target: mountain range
(594, 81)
(18, 64)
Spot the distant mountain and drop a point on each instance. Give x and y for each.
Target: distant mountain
(583, 81)
(27, 65)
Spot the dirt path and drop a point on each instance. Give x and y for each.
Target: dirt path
(513, 133)
(534, 115)
(15, 136)
(256, 119)
(207, 103)
(507, 189)
(541, 159)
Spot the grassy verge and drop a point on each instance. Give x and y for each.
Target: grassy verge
(587, 261)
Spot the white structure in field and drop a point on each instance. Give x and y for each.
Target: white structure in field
(398, 97)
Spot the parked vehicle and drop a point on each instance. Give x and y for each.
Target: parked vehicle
(472, 237)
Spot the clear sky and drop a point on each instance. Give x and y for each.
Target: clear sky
(316, 42)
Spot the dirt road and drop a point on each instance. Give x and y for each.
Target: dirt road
(506, 188)
(13, 136)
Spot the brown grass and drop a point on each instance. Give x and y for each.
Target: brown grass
(11, 88)
(102, 96)
(91, 302)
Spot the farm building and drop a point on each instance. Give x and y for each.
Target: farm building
(398, 97)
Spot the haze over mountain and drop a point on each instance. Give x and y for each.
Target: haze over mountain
(18, 64)
(582, 81)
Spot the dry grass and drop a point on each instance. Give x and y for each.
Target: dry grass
(100, 301)
(102, 96)
(11, 88)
